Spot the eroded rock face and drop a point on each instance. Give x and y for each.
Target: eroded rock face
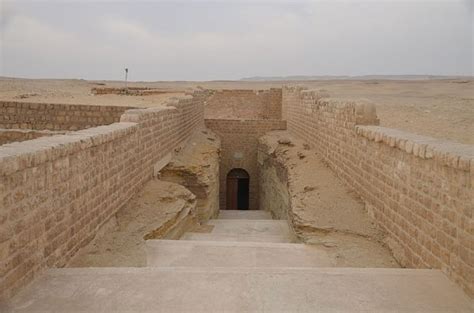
(187, 193)
(316, 198)
(296, 185)
(160, 210)
(196, 167)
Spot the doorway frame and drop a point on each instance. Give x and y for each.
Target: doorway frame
(235, 178)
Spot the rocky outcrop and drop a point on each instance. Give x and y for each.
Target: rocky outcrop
(196, 167)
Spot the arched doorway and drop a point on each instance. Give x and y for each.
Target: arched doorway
(237, 189)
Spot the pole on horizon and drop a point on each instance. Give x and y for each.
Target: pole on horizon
(126, 79)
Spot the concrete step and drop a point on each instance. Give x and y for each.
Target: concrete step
(238, 238)
(240, 290)
(245, 214)
(176, 253)
(251, 227)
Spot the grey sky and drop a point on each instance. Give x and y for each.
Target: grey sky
(204, 40)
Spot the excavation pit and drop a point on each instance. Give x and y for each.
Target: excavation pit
(338, 189)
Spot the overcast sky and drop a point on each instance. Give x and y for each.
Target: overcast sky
(205, 40)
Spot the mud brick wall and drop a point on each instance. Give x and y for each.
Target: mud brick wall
(239, 143)
(13, 135)
(56, 192)
(244, 104)
(419, 189)
(45, 116)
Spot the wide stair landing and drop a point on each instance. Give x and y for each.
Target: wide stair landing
(245, 263)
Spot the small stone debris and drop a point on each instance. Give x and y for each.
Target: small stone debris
(285, 141)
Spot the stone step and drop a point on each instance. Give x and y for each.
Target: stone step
(174, 290)
(251, 227)
(238, 238)
(176, 253)
(245, 214)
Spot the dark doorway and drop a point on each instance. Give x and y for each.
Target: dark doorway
(237, 190)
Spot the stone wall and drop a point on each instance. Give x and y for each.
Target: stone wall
(244, 104)
(41, 116)
(419, 189)
(56, 192)
(18, 135)
(239, 141)
(131, 91)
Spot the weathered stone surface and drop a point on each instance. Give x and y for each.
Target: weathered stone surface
(214, 254)
(41, 116)
(58, 191)
(244, 104)
(196, 167)
(18, 135)
(239, 140)
(237, 290)
(319, 208)
(420, 190)
(160, 210)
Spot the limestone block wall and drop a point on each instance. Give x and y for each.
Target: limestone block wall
(56, 192)
(419, 189)
(239, 142)
(13, 135)
(244, 104)
(41, 116)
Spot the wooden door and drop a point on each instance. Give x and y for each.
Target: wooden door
(232, 191)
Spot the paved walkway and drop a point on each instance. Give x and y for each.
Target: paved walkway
(246, 263)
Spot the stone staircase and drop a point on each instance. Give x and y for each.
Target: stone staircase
(245, 263)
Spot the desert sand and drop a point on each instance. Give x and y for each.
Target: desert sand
(439, 108)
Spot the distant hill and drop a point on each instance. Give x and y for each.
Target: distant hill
(365, 77)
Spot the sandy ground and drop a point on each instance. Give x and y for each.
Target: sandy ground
(153, 211)
(438, 108)
(74, 92)
(163, 208)
(325, 212)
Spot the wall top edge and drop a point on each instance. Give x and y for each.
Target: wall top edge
(243, 120)
(454, 154)
(26, 131)
(39, 104)
(19, 155)
(138, 115)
